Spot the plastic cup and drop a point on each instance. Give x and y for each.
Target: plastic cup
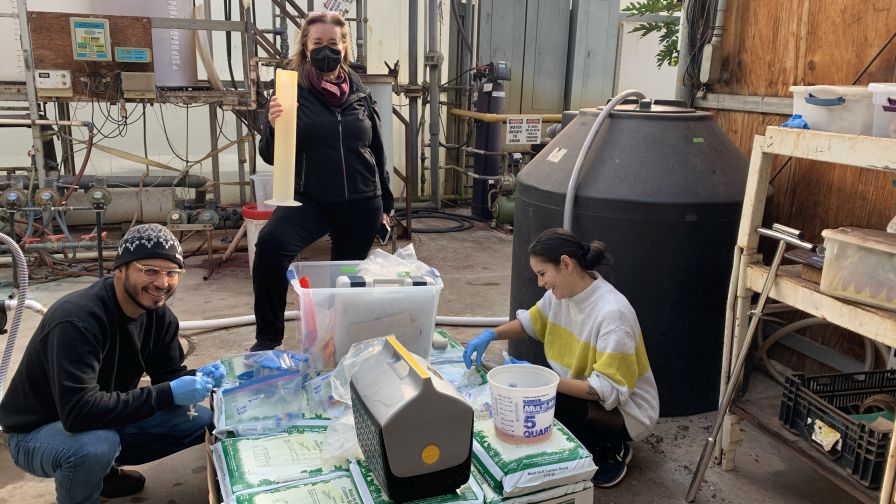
(524, 397)
(264, 190)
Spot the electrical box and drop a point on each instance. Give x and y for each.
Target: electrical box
(133, 55)
(138, 85)
(90, 39)
(52, 83)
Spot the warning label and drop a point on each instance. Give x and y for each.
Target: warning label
(523, 129)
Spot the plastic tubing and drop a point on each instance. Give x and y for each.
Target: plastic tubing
(21, 274)
(574, 178)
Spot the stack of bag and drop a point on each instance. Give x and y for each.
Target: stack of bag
(285, 435)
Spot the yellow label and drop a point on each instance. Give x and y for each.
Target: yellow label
(430, 454)
(407, 357)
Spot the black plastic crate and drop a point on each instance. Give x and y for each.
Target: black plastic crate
(830, 399)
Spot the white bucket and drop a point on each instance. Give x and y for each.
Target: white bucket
(523, 400)
(255, 220)
(264, 189)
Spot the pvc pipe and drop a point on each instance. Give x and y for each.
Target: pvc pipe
(211, 324)
(286, 87)
(190, 181)
(31, 304)
(223, 323)
(471, 321)
(44, 122)
(484, 117)
(574, 178)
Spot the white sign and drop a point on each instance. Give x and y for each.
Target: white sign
(523, 129)
(340, 6)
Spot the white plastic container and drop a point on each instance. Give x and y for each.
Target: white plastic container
(351, 314)
(840, 109)
(255, 220)
(884, 100)
(264, 189)
(860, 265)
(524, 397)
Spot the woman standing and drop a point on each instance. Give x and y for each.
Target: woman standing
(341, 180)
(607, 395)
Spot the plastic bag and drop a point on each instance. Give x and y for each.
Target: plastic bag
(274, 361)
(262, 405)
(342, 375)
(243, 367)
(341, 440)
(403, 264)
(319, 398)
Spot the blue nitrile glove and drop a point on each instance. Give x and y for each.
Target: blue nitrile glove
(510, 360)
(189, 390)
(795, 121)
(215, 371)
(478, 345)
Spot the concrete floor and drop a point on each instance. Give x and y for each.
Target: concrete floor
(475, 265)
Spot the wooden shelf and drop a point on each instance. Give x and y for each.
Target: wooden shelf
(760, 409)
(790, 289)
(855, 150)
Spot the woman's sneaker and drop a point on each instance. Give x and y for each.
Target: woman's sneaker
(612, 465)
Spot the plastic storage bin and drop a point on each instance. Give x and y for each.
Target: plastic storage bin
(884, 100)
(860, 265)
(353, 314)
(812, 404)
(841, 109)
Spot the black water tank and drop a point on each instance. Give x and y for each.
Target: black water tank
(663, 188)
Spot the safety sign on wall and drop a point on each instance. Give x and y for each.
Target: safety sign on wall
(340, 6)
(523, 129)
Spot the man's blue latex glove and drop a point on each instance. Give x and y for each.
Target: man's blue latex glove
(478, 345)
(510, 360)
(215, 371)
(189, 390)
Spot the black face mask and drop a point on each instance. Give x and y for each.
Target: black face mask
(326, 58)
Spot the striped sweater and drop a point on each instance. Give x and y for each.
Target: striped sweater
(595, 336)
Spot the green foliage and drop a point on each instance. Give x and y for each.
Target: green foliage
(667, 30)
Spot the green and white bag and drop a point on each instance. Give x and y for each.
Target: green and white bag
(246, 464)
(491, 497)
(513, 469)
(371, 493)
(332, 489)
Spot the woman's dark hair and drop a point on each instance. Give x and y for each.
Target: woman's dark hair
(552, 244)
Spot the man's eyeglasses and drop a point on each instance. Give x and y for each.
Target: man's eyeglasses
(153, 272)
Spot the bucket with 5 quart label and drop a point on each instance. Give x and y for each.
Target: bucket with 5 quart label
(524, 397)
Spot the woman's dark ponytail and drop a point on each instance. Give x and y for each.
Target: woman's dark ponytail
(554, 243)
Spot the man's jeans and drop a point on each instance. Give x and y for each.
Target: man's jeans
(78, 461)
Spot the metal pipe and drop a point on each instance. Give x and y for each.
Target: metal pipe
(99, 241)
(43, 122)
(241, 161)
(484, 117)
(31, 90)
(413, 113)
(682, 91)
(434, 58)
(190, 181)
(738, 368)
(718, 27)
(59, 247)
(68, 154)
(361, 36)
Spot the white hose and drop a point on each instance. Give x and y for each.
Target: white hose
(21, 275)
(574, 178)
(31, 304)
(211, 324)
(223, 323)
(471, 321)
